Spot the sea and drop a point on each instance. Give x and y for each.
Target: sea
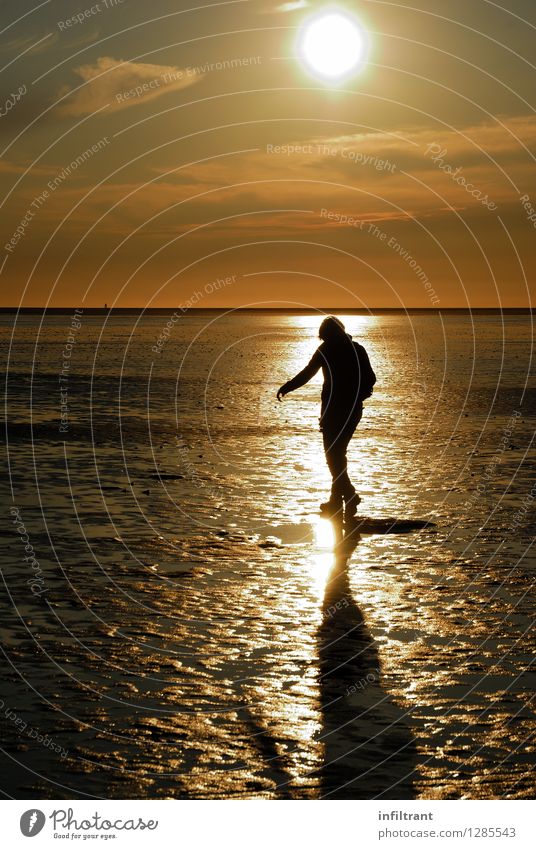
(178, 619)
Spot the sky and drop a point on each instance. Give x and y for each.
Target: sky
(181, 154)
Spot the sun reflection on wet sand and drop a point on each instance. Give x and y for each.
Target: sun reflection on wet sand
(369, 750)
(355, 324)
(324, 533)
(323, 721)
(321, 558)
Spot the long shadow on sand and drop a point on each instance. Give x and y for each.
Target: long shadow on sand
(369, 751)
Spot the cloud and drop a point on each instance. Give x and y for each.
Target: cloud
(7, 167)
(475, 141)
(257, 185)
(292, 6)
(11, 167)
(372, 176)
(28, 44)
(118, 85)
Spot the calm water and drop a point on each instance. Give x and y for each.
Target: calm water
(196, 636)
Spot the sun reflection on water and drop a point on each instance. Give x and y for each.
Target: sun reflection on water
(357, 325)
(324, 534)
(321, 558)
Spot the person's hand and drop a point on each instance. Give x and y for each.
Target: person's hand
(281, 392)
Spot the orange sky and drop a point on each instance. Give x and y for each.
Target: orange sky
(410, 184)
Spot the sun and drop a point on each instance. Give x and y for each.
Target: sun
(332, 45)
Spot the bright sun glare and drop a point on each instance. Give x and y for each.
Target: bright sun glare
(324, 535)
(332, 45)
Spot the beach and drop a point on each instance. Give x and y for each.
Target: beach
(178, 622)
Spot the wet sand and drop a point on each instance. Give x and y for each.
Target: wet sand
(202, 635)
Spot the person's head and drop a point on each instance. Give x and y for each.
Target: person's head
(331, 329)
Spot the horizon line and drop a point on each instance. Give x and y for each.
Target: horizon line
(312, 310)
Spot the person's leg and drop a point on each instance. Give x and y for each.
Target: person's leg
(329, 438)
(343, 483)
(335, 503)
(336, 438)
(351, 497)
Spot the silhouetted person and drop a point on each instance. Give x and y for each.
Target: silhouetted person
(348, 381)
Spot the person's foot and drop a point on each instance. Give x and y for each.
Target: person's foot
(332, 507)
(350, 504)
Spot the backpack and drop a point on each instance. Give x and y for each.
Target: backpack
(367, 378)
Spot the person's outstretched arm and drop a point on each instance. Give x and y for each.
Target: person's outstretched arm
(302, 378)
